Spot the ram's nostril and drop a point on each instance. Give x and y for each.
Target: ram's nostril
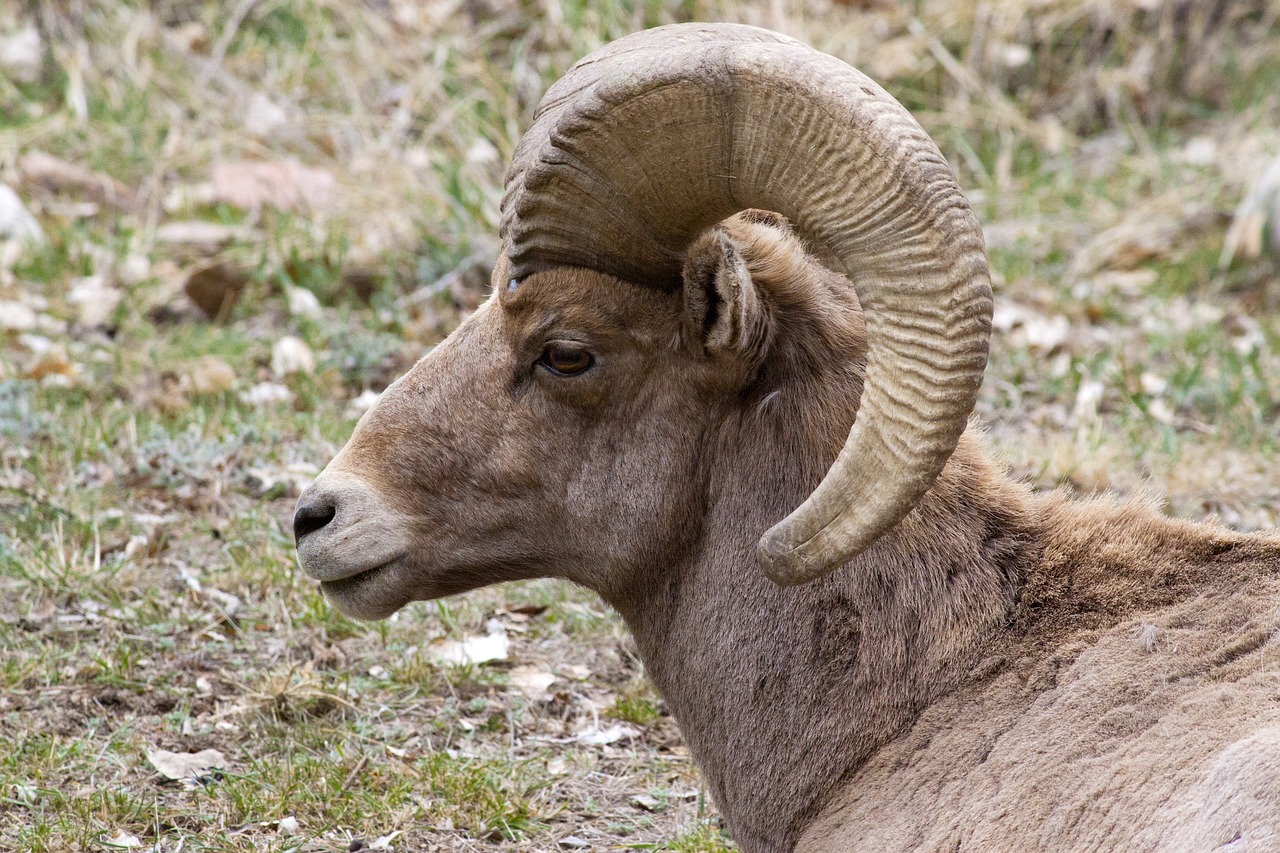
(310, 517)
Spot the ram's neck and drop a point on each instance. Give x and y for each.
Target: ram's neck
(781, 693)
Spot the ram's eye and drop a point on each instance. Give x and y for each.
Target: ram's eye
(565, 358)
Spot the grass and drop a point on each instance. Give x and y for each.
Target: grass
(149, 596)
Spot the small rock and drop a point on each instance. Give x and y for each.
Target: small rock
(21, 55)
(302, 303)
(15, 220)
(263, 116)
(266, 394)
(95, 300)
(287, 825)
(16, 317)
(291, 355)
(573, 842)
(357, 406)
(211, 375)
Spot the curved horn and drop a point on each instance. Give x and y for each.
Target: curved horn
(659, 135)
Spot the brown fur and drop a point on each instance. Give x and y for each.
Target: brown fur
(963, 684)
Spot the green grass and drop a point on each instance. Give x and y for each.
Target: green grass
(149, 596)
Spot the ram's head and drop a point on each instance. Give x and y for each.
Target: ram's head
(562, 428)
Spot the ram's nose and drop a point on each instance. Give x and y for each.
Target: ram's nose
(313, 513)
(343, 527)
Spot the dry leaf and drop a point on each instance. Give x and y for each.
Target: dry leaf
(646, 802)
(473, 650)
(53, 366)
(383, 842)
(123, 841)
(187, 767)
(56, 175)
(596, 736)
(204, 237)
(215, 288)
(283, 185)
(532, 682)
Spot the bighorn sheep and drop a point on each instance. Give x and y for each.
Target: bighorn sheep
(934, 657)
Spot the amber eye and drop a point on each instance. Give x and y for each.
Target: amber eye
(565, 358)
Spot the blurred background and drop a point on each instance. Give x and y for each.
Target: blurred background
(225, 227)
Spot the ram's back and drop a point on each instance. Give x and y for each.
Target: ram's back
(1134, 705)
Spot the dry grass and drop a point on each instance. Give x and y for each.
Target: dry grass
(148, 592)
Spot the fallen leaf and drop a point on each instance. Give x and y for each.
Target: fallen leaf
(205, 237)
(383, 842)
(576, 671)
(123, 841)
(532, 682)
(646, 802)
(473, 650)
(53, 366)
(215, 288)
(27, 795)
(187, 767)
(596, 736)
(282, 184)
(55, 175)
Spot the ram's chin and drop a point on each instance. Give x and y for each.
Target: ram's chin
(370, 595)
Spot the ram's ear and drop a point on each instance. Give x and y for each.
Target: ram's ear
(723, 306)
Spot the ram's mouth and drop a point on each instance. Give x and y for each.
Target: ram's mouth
(345, 585)
(373, 593)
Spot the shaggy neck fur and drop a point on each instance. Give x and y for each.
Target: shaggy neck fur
(783, 694)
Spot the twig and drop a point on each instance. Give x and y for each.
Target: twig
(228, 35)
